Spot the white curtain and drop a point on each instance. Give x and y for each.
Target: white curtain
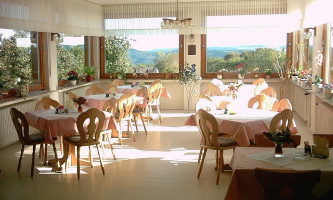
(318, 12)
(119, 16)
(65, 16)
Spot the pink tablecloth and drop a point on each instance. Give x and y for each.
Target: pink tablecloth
(98, 100)
(54, 125)
(243, 125)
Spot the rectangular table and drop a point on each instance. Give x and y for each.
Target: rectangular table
(245, 159)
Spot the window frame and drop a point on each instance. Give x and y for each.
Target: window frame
(105, 75)
(205, 74)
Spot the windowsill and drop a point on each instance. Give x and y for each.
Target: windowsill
(41, 93)
(245, 80)
(317, 94)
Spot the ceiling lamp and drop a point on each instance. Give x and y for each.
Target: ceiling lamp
(177, 23)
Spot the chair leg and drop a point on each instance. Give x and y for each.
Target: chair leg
(33, 160)
(56, 156)
(143, 123)
(45, 154)
(202, 162)
(90, 157)
(20, 160)
(40, 151)
(78, 162)
(66, 162)
(220, 167)
(61, 140)
(216, 159)
(100, 160)
(133, 134)
(200, 153)
(135, 122)
(159, 113)
(111, 147)
(120, 134)
(102, 143)
(222, 161)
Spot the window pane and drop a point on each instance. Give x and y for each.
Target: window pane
(331, 60)
(242, 43)
(19, 58)
(70, 55)
(155, 53)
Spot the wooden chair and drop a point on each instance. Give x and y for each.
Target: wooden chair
(226, 92)
(208, 129)
(46, 103)
(126, 106)
(22, 129)
(213, 90)
(140, 109)
(158, 81)
(111, 85)
(109, 106)
(94, 90)
(282, 105)
(71, 95)
(154, 94)
(91, 137)
(204, 96)
(269, 92)
(329, 137)
(259, 81)
(282, 120)
(277, 183)
(260, 99)
(118, 82)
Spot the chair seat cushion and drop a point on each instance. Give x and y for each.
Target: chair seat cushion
(40, 137)
(137, 111)
(226, 141)
(74, 139)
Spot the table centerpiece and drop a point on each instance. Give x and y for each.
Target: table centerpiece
(279, 138)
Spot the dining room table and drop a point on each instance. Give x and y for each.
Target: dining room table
(242, 123)
(64, 124)
(243, 184)
(98, 100)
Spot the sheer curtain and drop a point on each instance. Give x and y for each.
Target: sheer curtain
(118, 16)
(65, 16)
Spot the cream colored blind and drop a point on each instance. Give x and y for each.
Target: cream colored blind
(66, 16)
(118, 16)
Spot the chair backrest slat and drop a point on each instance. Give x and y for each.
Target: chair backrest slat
(208, 128)
(126, 105)
(282, 120)
(21, 125)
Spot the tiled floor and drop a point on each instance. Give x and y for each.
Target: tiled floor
(162, 165)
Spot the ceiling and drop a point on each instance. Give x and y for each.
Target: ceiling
(110, 2)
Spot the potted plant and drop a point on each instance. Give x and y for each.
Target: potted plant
(23, 85)
(241, 70)
(89, 72)
(268, 73)
(72, 77)
(279, 138)
(327, 91)
(316, 84)
(294, 74)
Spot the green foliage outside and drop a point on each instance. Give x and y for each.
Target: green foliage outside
(259, 60)
(69, 58)
(15, 62)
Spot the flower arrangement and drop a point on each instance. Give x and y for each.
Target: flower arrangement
(279, 137)
(80, 100)
(235, 86)
(304, 74)
(319, 59)
(317, 80)
(72, 75)
(328, 86)
(241, 69)
(188, 78)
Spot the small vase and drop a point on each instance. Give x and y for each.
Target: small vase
(298, 80)
(72, 82)
(234, 96)
(240, 76)
(80, 109)
(293, 78)
(89, 78)
(278, 151)
(24, 90)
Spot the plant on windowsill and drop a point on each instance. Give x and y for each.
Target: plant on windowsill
(268, 73)
(89, 72)
(327, 90)
(241, 70)
(316, 84)
(72, 77)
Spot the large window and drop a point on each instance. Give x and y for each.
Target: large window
(70, 55)
(243, 43)
(156, 54)
(20, 59)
